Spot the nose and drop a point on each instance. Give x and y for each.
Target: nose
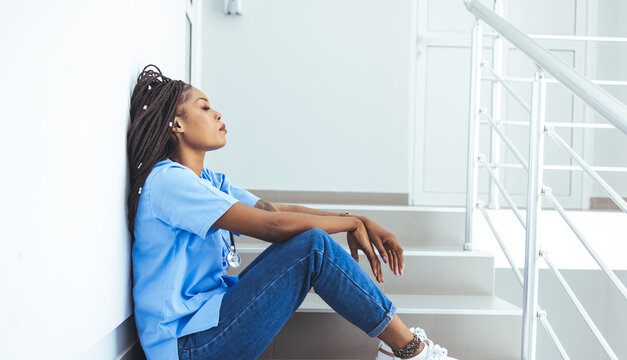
(218, 115)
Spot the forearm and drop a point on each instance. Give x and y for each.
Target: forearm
(306, 210)
(290, 224)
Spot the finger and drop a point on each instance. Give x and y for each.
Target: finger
(399, 251)
(382, 252)
(390, 263)
(375, 264)
(393, 261)
(354, 254)
(379, 275)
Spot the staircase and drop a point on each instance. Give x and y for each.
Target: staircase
(445, 290)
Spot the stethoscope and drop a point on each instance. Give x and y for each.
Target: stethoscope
(233, 257)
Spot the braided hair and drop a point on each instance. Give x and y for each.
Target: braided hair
(149, 138)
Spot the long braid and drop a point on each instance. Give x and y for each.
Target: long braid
(149, 139)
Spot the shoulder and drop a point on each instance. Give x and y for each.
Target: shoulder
(172, 174)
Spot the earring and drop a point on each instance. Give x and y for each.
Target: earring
(170, 124)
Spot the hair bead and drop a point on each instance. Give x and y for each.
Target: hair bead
(140, 191)
(145, 107)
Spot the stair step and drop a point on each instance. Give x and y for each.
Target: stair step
(470, 327)
(430, 304)
(428, 271)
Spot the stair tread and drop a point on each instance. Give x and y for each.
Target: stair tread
(430, 304)
(255, 245)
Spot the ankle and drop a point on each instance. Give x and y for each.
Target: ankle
(419, 350)
(408, 346)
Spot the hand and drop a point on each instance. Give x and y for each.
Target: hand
(386, 244)
(358, 240)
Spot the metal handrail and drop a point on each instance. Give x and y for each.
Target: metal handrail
(506, 139)
(560, 167)
(504, 192)
(577, 303)
(567, 37)
(607, 105)
(546, 191)
(549, 329)
(600, 100)
(512, 265)
(607, 188)
(553, 81)
(507, 87)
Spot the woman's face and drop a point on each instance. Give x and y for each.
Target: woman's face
(201, 128)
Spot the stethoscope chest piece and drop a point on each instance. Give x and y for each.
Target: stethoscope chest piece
(233, 258)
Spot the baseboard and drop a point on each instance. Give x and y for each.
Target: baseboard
(134, 353)
(121, 343)
(603, 203)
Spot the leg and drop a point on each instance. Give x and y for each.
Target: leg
(256, 308)
(397, 335)
(259, 257)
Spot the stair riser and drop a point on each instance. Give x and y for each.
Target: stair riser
(426, 274)
(329, 336)
(412, 228)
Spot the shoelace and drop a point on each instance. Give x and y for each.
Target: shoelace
(438, 353)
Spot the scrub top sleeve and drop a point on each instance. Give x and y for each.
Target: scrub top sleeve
(181, 199)
(240, 194)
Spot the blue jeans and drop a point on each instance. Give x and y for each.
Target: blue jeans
(274, 285)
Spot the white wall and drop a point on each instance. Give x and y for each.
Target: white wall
(67, 71)
(316, 95)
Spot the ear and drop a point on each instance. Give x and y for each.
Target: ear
(177, 125)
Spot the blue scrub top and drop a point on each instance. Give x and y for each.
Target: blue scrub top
(179, 260)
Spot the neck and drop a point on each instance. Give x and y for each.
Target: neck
(190, 158)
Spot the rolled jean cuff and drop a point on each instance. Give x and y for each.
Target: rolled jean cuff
(384, 323)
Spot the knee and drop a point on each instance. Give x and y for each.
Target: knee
(314, 239)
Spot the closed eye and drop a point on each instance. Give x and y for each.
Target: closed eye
(206, 108)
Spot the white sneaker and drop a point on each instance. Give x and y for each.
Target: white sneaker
(431, 351)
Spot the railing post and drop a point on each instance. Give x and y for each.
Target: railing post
(495, 139)
(473, 130)
(534, 206)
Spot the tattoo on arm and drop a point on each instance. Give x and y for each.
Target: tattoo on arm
(264, 205)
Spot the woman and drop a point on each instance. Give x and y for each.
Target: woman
(180, 216)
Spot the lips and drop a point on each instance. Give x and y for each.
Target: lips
(223, 128)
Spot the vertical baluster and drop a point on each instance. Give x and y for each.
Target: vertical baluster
(534, 206)
(495, 139)
(473, 130)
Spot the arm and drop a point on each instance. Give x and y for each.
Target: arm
(277, 227)
(383, 240)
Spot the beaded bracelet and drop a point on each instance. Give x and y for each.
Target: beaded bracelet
(408, 350)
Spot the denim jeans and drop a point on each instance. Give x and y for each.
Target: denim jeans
(274, 285)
